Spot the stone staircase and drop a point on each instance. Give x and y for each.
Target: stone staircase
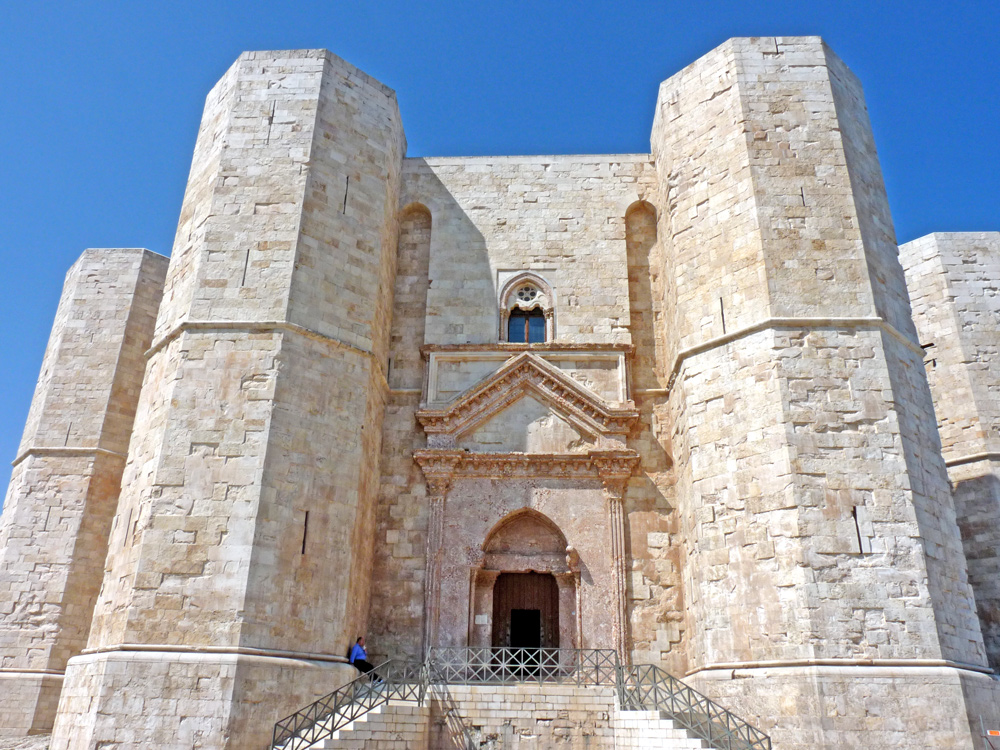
(503, 717)
(392, 725)
(510, 717)
(499, 699)
(638, 730)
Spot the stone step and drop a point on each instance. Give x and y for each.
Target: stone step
(637, 730)
(530, 711)
(395, 724)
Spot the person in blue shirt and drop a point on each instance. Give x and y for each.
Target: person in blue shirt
(359, 657)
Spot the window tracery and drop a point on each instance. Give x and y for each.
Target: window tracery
(526, 310)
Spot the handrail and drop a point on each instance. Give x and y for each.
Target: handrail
(503, 665)
(647, 687)
(320, 719)
(641, 687)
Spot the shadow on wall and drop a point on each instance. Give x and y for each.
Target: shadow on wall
(462, 293)
(655, 608)
(444, 284)
(448, 729)
(977, 506)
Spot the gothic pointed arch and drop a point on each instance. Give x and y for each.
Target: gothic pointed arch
(409, 314)
(525, 532)
(526, 294)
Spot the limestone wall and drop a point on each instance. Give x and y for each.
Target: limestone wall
(851, 706)
(817, 521)
(562, 217)
(58, 509)
(243, 534)
(473, 224)
(954, 283)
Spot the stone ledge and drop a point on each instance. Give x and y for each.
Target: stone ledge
(869, 323)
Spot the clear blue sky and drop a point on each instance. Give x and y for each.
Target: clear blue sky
(103, 100)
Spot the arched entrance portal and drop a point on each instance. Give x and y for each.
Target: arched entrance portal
(526, 610)
(525, 590)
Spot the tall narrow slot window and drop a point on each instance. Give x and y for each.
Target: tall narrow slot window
(526, 327)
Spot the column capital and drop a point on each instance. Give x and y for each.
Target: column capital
(438, 486)
(439, 471)
(615, 472)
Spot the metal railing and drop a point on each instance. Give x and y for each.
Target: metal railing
(648, 688)
(507, 665)
(640, 688)
(320, 719)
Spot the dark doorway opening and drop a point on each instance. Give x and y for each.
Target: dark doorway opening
(526, 628)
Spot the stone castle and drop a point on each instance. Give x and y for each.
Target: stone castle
(678, 404)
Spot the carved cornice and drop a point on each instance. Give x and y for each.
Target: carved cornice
(453, 464)
(550, 347)
(522, 373)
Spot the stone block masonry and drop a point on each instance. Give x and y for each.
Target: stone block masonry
(818, 525)
(67, 475)
(710, 445)
(954, 281)
(511, 716)
(238, 565)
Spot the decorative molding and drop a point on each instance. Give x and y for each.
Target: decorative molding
(66, 450)
(870, 323)
(550, 347)
(842, 663)
(265, 326)
(43, 673)
(972, 458)
(214, 651)
(455, 464)
(522, 373)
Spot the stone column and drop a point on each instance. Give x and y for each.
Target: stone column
(615, 484)
(239, 569)
(569, 631)
(67, 475)
(481, 603)
(437, 489)
(799, 409)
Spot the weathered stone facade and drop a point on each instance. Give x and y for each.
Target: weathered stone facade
(678, 398)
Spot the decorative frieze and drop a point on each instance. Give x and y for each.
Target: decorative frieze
(604, 465)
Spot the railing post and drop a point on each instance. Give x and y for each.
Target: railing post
(620, 682)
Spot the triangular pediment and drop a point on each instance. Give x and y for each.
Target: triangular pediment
(528, 375)
(528, 425)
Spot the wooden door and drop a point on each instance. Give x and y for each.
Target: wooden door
(526, 591)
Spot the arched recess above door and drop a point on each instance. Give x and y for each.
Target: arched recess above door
(525, 540)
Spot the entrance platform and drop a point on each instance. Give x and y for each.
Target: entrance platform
(507, 698)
